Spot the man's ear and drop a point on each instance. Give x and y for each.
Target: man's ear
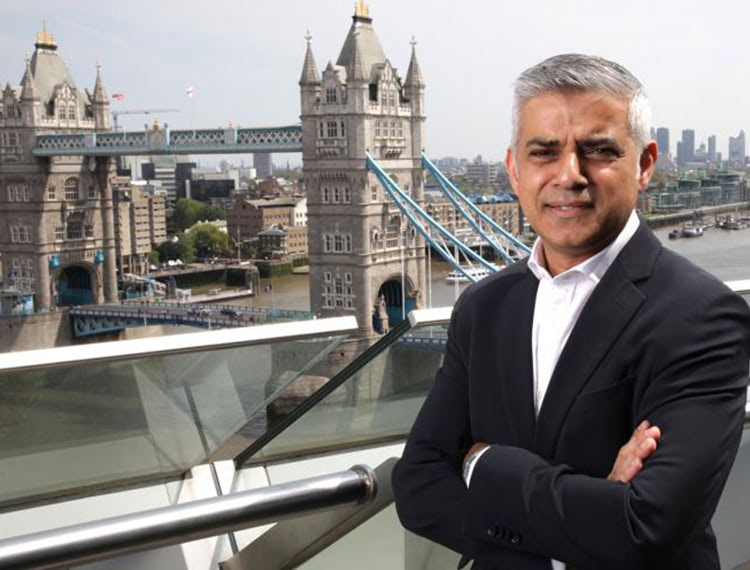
(647, 163)
(510, 166)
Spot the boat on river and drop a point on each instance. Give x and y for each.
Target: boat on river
(692, 231)
(475, 271)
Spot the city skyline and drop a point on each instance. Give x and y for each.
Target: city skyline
(243, 61)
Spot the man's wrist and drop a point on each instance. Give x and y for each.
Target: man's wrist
(470, 462)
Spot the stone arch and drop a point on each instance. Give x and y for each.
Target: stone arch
(388, 302)
(75, 284)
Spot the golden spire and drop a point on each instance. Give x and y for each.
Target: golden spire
(361, 10)
(44, 39)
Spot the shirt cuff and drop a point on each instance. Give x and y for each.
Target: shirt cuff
(472, 463)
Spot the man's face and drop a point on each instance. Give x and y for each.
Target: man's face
(577, 172)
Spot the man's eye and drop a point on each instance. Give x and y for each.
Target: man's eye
(603, 152)
(541, 152)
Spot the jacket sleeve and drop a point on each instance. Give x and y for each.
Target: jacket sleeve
(429, 489)
(693, 387)
(523, 509)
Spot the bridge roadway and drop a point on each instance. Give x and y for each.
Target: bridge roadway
(162, 140)
(97, 319)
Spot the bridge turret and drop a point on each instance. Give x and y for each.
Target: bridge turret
(414, 91)
(309, 81)
(354, 236)
(30, 100)
(357, 80)
(100, 102)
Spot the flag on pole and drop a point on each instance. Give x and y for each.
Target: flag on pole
(118, 96)
(190, 91)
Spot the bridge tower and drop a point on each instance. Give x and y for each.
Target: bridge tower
(359, 245)
(56, 217)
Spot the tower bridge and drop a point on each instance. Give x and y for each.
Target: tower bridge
(361, 136)
(161, 140)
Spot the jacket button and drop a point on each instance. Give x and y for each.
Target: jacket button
(515, 539)
(492, 531)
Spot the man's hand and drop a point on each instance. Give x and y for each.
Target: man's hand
(476, 448)
(631, 456)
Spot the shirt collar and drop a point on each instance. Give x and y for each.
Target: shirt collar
(595, 266)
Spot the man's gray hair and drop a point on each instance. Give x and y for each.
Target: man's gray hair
(578, 73)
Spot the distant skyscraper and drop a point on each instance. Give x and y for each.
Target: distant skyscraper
(737, 149)
(680, 154)
(712, 148)
(662, 141)
(688, 147)
(262, 164)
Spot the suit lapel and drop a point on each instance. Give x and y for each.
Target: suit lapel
(609, 309)
(515, 359)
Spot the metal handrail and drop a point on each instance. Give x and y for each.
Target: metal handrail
(174, 344)
(117, 536)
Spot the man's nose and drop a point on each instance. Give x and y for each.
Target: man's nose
(570, 175)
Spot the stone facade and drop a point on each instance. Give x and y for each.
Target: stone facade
(140, 224)
(357, 238)
(284, 240)
(55, 214)
(247, 218)
(505, 214)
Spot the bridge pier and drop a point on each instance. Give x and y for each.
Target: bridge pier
(104, 170)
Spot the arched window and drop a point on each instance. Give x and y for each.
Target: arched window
(72, 113)
(71, 188)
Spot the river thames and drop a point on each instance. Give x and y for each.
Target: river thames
(725, 253)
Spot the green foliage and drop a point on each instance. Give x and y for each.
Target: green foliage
(208, 241)
(211, 213)
(249, 250)
(153, 256)
(180, 248)
(187, 212)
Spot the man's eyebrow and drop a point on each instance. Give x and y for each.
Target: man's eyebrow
(598, 141)
(546, 143)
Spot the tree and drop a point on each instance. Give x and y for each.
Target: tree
(153, 256)
(186, 213)
(179, 247)
(210, 213)
(249, 249)
(209, 241)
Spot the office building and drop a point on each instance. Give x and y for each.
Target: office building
(737, 150)
(262, 164)
(662, 141)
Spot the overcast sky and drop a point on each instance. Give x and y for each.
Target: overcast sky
(244, 57)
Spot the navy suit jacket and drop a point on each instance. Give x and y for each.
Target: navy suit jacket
(659, 339)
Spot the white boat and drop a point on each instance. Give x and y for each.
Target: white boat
(692, 231)
(478, 272)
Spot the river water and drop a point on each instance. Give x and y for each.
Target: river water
(724, 253)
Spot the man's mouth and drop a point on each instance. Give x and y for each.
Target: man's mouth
(569, 206)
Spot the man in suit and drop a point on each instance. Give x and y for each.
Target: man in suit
(591, 399)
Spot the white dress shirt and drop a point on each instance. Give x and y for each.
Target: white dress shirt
(559, 302)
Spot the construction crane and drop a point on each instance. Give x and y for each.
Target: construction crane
(117, 113)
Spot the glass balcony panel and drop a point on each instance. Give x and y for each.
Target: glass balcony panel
(66, 426)
(381, 542)
(378, 403)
